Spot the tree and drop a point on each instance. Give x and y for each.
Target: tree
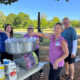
(44, 22)
(17, 22)
(54, 21)
(1, 14)
(2, 19)
(75, 23)
(6, 2)
(24, 19)
(34, 23)
(10, 18)
(65, 0)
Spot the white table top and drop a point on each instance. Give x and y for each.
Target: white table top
(23, 74)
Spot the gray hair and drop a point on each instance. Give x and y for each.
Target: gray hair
(65, 18)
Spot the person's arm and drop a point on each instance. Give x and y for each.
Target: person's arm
(8, 35)
(74, 49)
(42, 35)
(65, 51)
(74, 43)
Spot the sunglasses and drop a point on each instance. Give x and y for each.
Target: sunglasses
(30, 28)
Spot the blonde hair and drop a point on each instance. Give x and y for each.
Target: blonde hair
(30, 26)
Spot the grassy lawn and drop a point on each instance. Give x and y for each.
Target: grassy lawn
(78, 31)
(18, 35)
(43, 30)
(45, 42)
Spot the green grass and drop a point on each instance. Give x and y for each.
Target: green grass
(78, 31)
(43, 30)
(18, 35)
(45, 42)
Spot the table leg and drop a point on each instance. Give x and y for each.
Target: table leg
(30, 77)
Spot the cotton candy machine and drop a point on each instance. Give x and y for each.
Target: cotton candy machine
(22, 49)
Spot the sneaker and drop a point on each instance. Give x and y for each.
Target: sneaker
(41, 75)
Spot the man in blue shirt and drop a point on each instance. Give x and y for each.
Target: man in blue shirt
(71, 37)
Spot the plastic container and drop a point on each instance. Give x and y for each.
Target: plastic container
(12, 71)
(6, 63)
(2, 73)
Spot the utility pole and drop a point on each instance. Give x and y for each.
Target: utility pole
(39, 29)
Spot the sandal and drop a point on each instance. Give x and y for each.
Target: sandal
(64, 75)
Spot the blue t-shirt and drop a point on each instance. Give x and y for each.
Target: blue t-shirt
(3, 37)
(69, 35)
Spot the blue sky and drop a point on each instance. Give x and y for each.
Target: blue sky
(50, 8)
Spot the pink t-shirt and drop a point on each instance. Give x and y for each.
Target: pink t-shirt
(55, 50)
(27, 36)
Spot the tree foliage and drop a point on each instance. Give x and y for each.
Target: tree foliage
(23, 20)
(54, 21)
(10, 18)
(6, 2)
(75, 23)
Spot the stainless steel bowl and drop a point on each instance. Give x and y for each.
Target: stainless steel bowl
(13, 48)
(28, 46)
(20, 46)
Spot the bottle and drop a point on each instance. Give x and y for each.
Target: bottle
(35, 57)
(6, 63)
(2, 73)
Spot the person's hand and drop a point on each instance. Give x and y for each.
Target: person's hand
(72, 56)
(1, 30)
(55, 65)
(7, 33)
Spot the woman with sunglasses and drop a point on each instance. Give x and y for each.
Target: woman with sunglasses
(28, 35)
(30, 30)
